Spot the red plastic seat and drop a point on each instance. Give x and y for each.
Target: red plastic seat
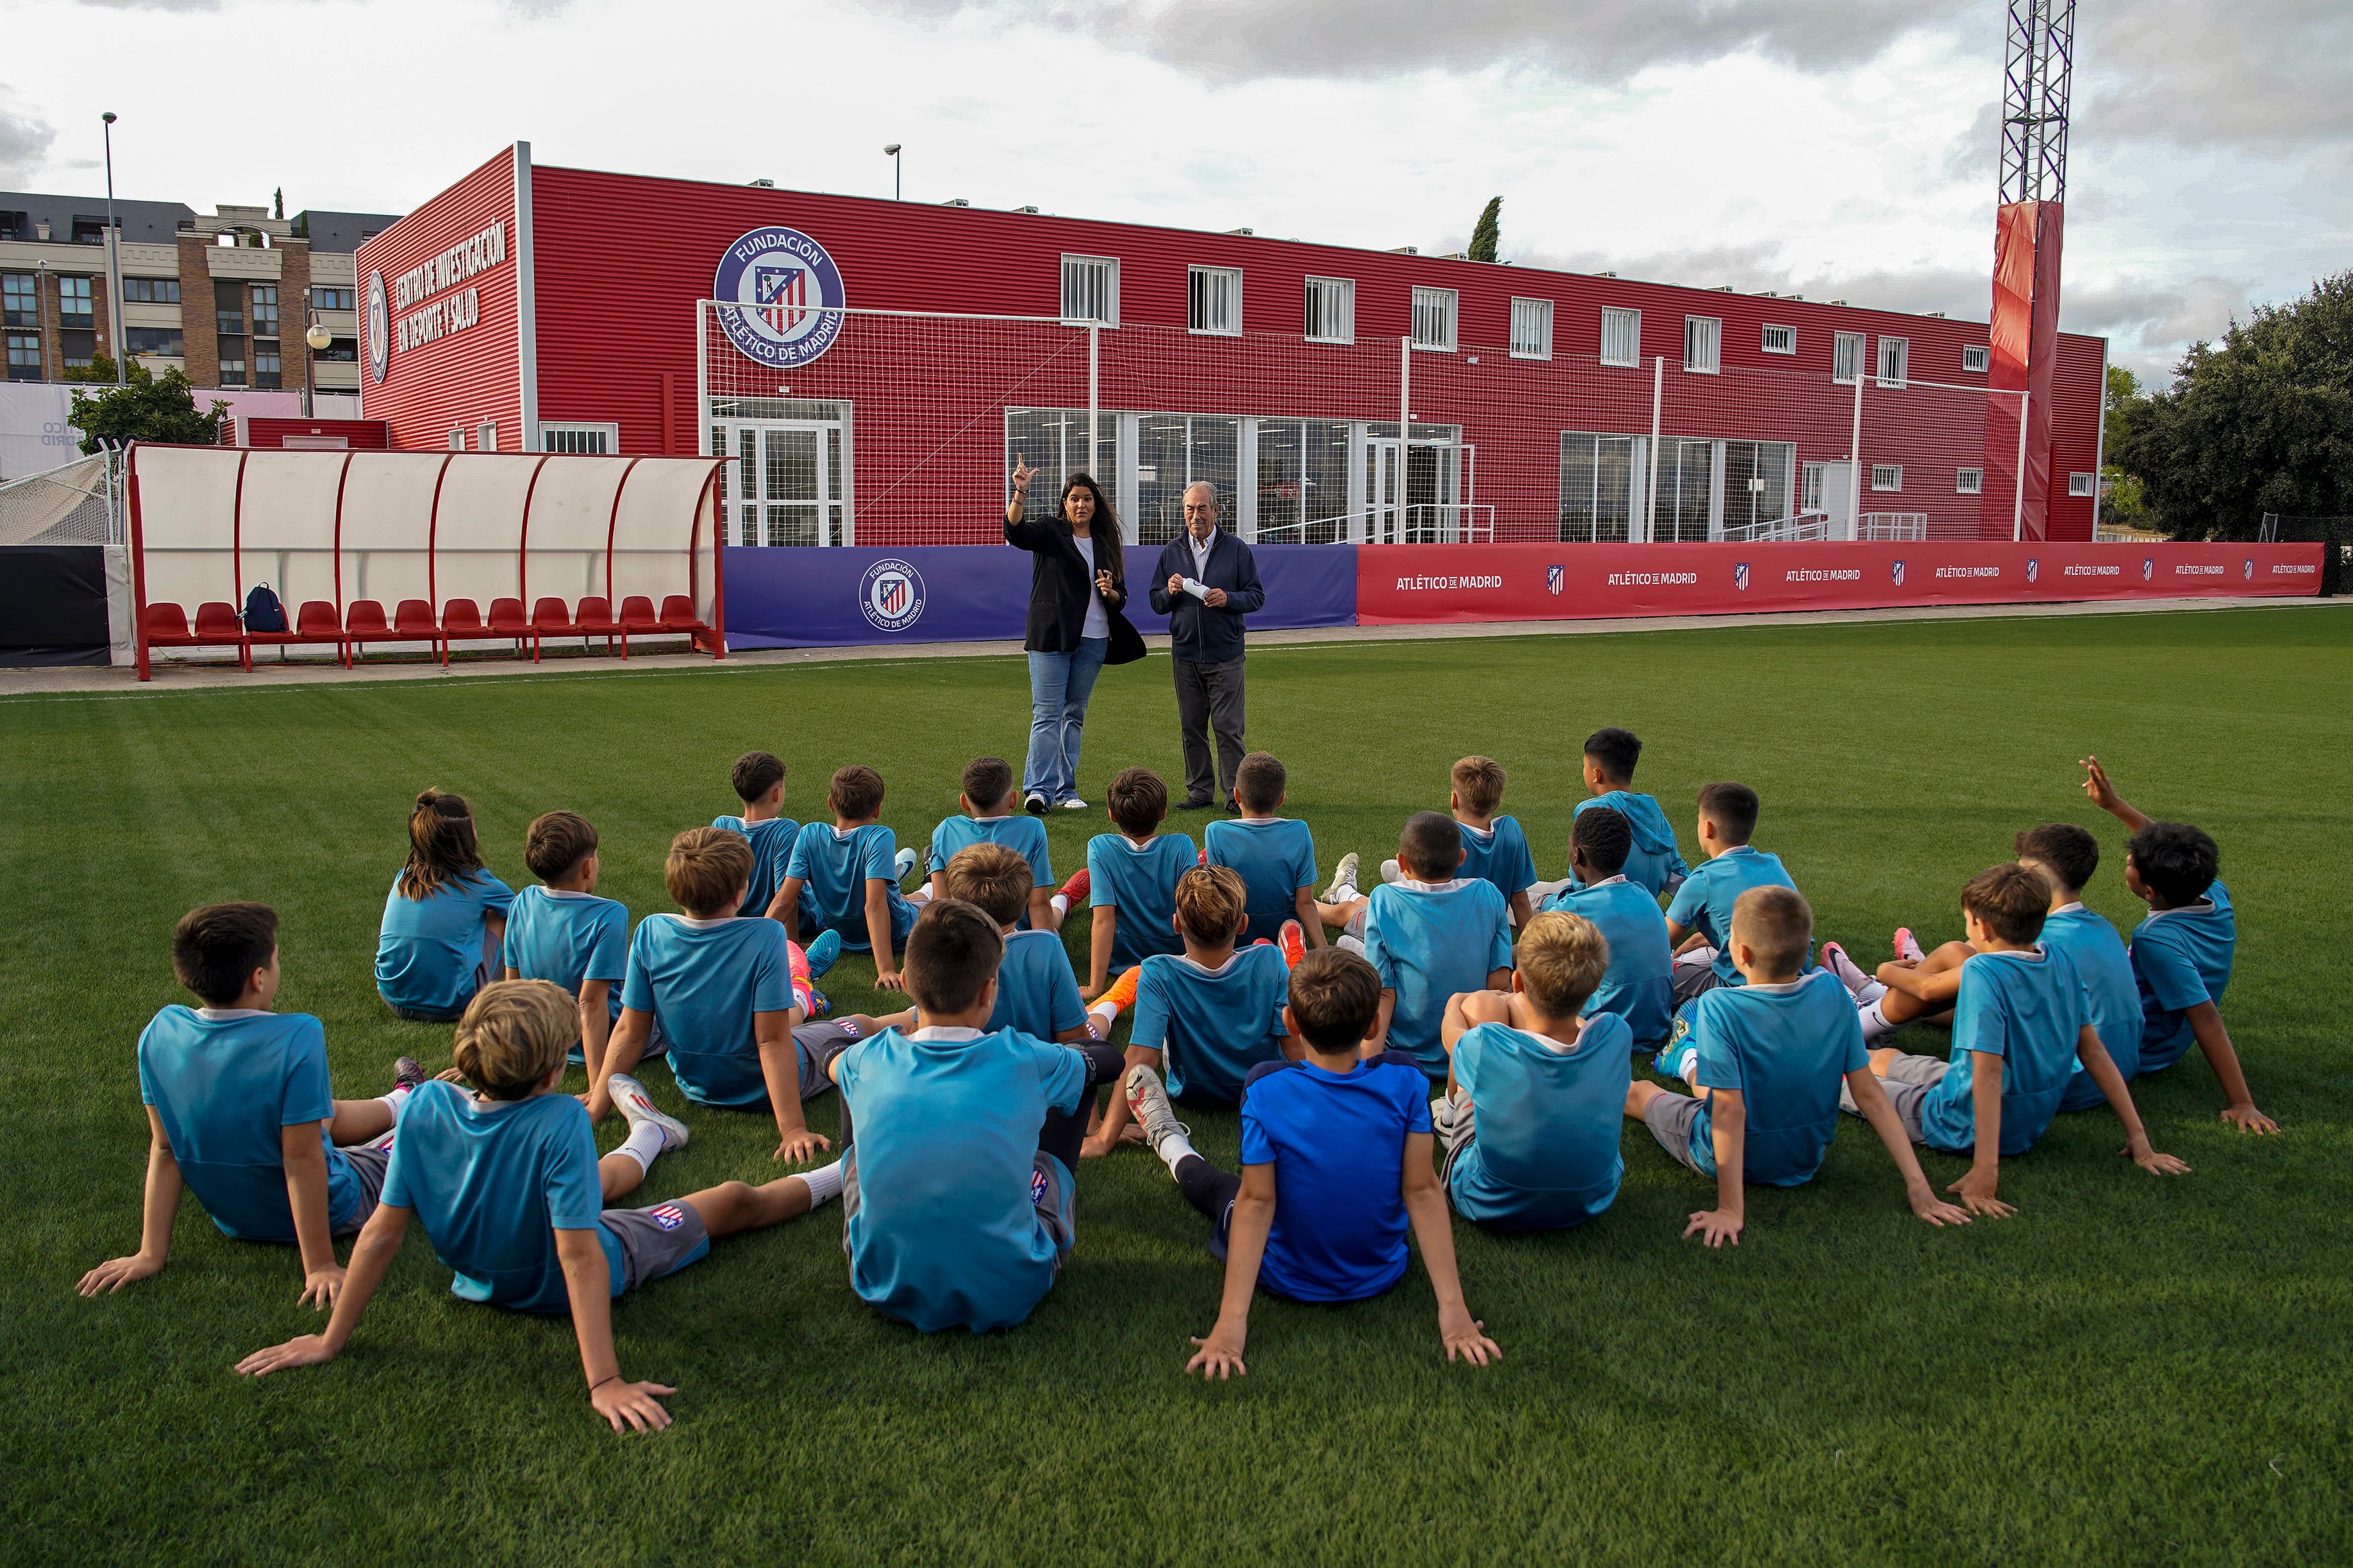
(217, 627)
(166, 625)
(592, 617)
(549, 618)
(460, 619)
(508, 620)
(638, 615)
(315, 622)
(678, 614)
(363, 622)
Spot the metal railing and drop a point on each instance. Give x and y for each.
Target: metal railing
(1892, 527)
(1806, 527)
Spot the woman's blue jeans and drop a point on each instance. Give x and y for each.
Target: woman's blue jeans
(1059, 686)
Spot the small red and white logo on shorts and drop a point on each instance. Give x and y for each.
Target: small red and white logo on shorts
(670, 1216)
(1038, 1186)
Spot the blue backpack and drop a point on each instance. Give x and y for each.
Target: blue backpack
(263, 613)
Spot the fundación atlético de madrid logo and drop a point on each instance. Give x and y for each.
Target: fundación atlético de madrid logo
(791, 295)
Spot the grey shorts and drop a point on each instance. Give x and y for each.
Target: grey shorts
(368, 1162)
(1694, 979)
(1907, 1080)
(1053, 1198)
(1670, 1117)
(1453, 1118)
(655, 1241)
(820, 1041)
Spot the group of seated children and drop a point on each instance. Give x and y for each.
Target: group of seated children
(1426, 1058)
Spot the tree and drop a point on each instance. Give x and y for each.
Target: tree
(2259, 421)
(2123, 500)
(148, 408)
(1487, 234)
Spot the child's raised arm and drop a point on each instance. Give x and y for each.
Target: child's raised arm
(1310, 919)
(1425, 1206)
(780, 1066)
(1977, 1188)
(302, 1148)
(1220, 1355)
(2103, 795)
(1871, 1099)
(2103, 1069)
(621, 1053)
(160, 1207)
(1728, 1125)
(372, 1257)
(596, 1023)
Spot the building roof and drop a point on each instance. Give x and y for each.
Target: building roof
(341, 232)
(142, 223)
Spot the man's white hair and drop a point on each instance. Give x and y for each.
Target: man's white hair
(1201, 484)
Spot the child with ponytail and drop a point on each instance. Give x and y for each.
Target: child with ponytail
(445, 920)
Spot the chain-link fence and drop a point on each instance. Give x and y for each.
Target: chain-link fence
(2335, 532)
(79, 503)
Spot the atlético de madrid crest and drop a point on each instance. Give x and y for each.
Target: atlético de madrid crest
(1552, 580)
(791, 295)
(2034, 568)
(1740, 576)
(2147, 567)
(1897, 573)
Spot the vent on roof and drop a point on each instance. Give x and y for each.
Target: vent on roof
(764, 184)
(1453, 256)
(1721, 289)
(1025, 209)
(1242, 231)
(1405, 250)
(955, 202)
(1768, 294)
(1605, 275)
(1838, 301)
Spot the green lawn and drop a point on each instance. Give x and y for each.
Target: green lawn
(2131, 1371)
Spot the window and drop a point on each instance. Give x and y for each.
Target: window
(1780, 340)
(23, 356)
(1331, 309)
(1622, 337)
(19, 295)
(266, 372)
(88, 230)
(1846, 356)
(232, 369)
(1213, 296)
(599, 440)
(1532, 329)
(1976, 356)
(2082, 484)
(1702, 344)
(339, 351)
(1091, 288)
(1811, 479)
(1894, 359)
(164, 340)
(1887, 476)
(1686, 476)
(332, 298)
(1174, 450)
(228, 309)
(265, 310)
(1433, 319)
(150, 291)
(1597, 474)
(78, 347)
(1303, 480)
(74, 303)
(486, 436)
(1756, 482)
(457, 438)
(1968, 482)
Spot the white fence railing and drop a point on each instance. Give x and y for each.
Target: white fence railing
(1892, 527)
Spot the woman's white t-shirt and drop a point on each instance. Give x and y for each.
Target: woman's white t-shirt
(1098, 624)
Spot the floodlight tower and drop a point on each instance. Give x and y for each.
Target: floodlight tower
(2038, 67)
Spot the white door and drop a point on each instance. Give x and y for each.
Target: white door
(1383, 492)
(1829, 488)
(788, 484)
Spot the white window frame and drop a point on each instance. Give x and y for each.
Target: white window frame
(1900, 372)
(456, 438)
(1968, 482)
(1977, 357)
(1531, 328)
(1785, 344)
(1438, 306)
(486, 436)
(1629, 323)
(1703, 345)
(1887, 478)
(1213, 301)
(2082, 484)
(552, 432)
(1842, 344)
(1074, 264)
(1339, 314)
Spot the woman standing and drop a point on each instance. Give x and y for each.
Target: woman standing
(1077, 585)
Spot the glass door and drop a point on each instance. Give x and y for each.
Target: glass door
(786, 483)
(1383, 502)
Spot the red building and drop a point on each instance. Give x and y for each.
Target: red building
(889, 359)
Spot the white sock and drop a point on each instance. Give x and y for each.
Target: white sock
(1539, 892)
(397, 1101)
(1061, 905)
(1345, 894)
(1107, 1011)
(645, 1141)
(1875, 1027)
(921, 895)
(1173, 1148)
(1355, 945)
(824, 1183)
(1697, 955)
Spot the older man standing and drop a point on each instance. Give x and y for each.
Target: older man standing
(1205, 582)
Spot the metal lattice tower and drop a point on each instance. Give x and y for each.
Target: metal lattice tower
(2038, 66)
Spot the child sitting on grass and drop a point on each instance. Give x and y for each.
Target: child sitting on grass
(1274, 854)
(1699, 918)
(759, 780)
(1765, 1060)
(1530, 1118)
(1336, 1165)
(1132, 879)
(2022, 1021)
(1494, 847)
(237, 1111)
(1639, 985)
(958, 1198)
(991, 807)
(562, 933)
(1429, 935)
(508, 1186)
(849, 874)
(445, 919)
(1036, 991)
(1654, 862)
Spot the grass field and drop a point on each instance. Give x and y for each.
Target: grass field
(2131, 1371)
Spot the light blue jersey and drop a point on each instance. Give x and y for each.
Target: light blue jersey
(1498, 853)
(1654, 861)
(1037, 993)
(834, 866)
(703, 981)
(1025, 836)
(568, 939)
(1546, 1116)
(772, 850)
(1640, 984)
(430, 950)
(1786, 1048)
(2100, 958)
(942, 1230)
(1430, 941)
(2180, 958)
(1212, 1025)
(223, 1081)
(1703, 903)
(2026, 1007)
(1275, 857)
(1138, 883)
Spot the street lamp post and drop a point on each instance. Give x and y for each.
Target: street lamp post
(114, 264)
(317, 339)
(891, 152)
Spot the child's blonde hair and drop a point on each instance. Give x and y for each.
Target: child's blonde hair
(513, 1034)
(991, 876)
(1561, 960)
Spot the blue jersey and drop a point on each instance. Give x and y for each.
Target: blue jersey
(834, 866)
(1212, 1025)
(1429, 942)
(942, 1230)
(431, 949)
(1336, 1141)
(1547, 1116)
(1785, 1048)
(2026, 1007)
(223, 1082)
(2180, 958)
(703, 981)
(1498, 853)
(1654, 861)
(1025, 836)
(2100, 958)
(1138, 884)
(1703, 903)
(569, 939)
(1640, 984)
(772, 850)
(1037, 993)
(492, 1182)
(1275, 857)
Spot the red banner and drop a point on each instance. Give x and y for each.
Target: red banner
(1408, 583)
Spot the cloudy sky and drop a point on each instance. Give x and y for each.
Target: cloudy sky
(1830, 147)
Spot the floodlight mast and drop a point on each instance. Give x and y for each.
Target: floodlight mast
(2038, 70)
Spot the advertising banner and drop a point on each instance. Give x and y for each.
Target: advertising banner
(1419, 583)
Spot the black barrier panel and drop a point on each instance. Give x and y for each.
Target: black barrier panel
(52, 605)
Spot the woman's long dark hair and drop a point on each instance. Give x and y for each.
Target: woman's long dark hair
(1103, 527)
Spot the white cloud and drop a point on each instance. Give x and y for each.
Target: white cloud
(24, 140)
